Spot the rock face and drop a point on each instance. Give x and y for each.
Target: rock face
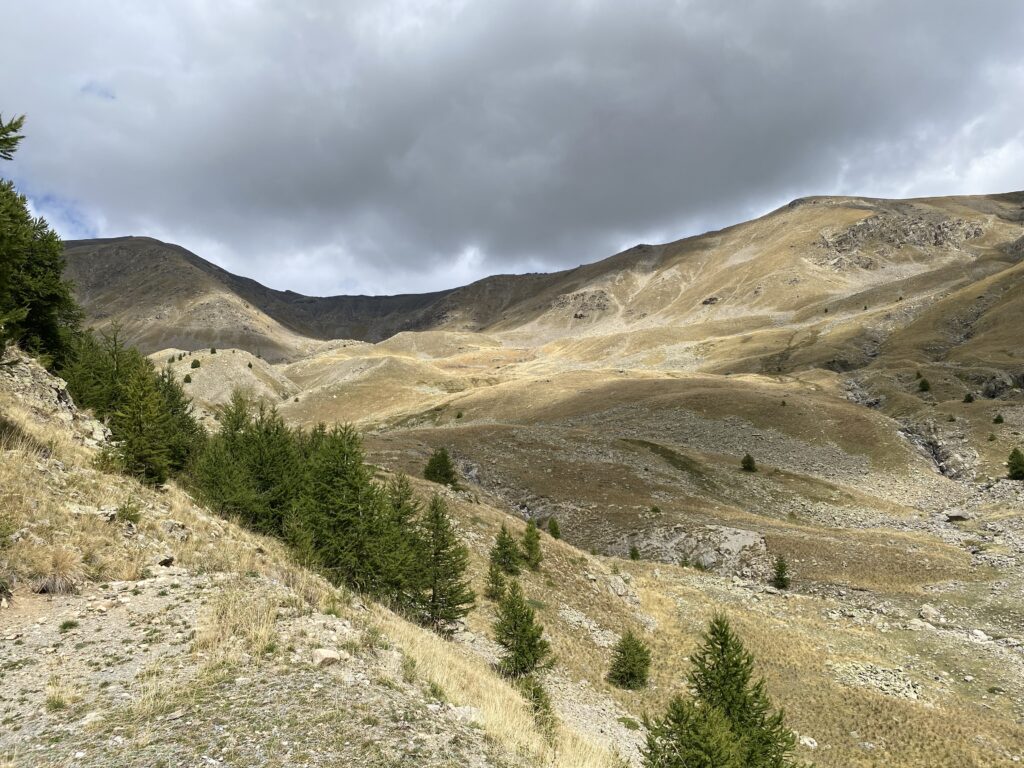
(842, 251)
(948, 449)
(47, 397)
(718, 548)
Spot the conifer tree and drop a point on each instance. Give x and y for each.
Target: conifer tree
(923, 385)
(505, 552)
(553, 530)
(532, 555)
(748, 464)
(780, 577)
(399, 550)
(273, 463)
(143, 427)
(692, 735)
(634, 552)
(1015, 465)
(440, 469)
(336, 508)
(37, 308)
(998, 419)
(495, 589)
(722, 678)
(631, 663)
(517, 631)
(447, 597)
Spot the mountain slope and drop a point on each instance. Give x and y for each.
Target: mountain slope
(870, 265)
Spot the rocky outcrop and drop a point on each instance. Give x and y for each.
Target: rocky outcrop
(46, 397)
(717, 548)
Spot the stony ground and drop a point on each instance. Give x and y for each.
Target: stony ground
(123, 674)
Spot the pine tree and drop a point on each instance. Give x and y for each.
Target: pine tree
(270, 454)
(495, 589)
(553, 530)
(37, 308)
(505, 552)
(722, 678)
(634, 552)
(532, 555)
(748, 464)
(143, 428)
(1015, 465)
(631, 663)
(196, 364)
(923, 385)
(399, 549)
(517, 631)
(335, 508)
(998, 419)
(968, 398)
(691, 736)
(780, 577)
(440, 469)
(447, 597)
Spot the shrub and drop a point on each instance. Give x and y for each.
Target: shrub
(129, 512)
(553, 530)
(998, 419)
(780, 577)
(532, 555)
(968, 398)
(187, 379)
(1015, 465)
(924, 386)
(196, 363)
(543, 713)
(748, 464)
(440, 468)
(516, 630)
(631, 663)
(634, 553)
(250, 365)
(213, 350)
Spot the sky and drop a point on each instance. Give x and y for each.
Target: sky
(394, 146)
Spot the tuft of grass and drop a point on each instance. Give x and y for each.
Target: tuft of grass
(67, 625)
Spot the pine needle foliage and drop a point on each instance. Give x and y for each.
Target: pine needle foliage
(631, 663)
(532, 554)
(780, 576)
(505, 552)
(37, 308)
(496, 584)
(516, 630)
(440, 468)
(447, 596)
(1015, 465)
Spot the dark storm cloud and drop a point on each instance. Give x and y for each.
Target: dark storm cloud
(400, 146)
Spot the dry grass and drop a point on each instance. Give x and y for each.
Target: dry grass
(239, 620)
(469, 681)
(60, 693)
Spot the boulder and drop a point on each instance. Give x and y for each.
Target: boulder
(325, 657)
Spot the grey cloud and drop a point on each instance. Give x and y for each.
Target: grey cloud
(401, 146)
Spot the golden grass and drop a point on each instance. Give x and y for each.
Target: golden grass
(239, 620)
